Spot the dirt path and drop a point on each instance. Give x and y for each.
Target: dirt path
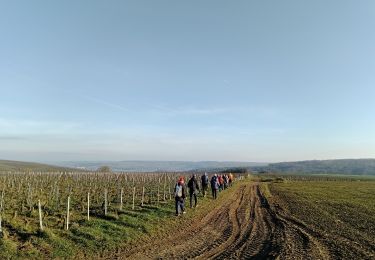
(243, 227)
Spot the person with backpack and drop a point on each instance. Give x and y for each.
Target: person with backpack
(204, 180)
(193, 190)
(214, 186)
(180, 195)
(221, 182)
(226, 181)
(230, 179)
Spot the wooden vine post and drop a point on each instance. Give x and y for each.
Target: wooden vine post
(40, 216)
(133, 206)
(158, 195)
(1, 210)
(121, 195)
(88, 206)
(143, 195)
(169, 191)
(105, 201)
(67, 214)
(164, 192)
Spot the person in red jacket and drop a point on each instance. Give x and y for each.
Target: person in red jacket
(221, 182)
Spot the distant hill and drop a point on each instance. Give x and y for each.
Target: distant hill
(6, 165)
(152, 166)
(342, 166)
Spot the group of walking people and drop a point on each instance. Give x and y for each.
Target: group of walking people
(217, 183)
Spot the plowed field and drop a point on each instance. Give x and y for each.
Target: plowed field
(246, 226)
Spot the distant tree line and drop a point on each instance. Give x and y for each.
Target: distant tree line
(344, 166)
(236, 170)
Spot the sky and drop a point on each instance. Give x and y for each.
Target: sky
(262, 81)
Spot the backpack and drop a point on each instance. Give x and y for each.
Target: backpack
(205, 179)
(178, 191)
(214, 183)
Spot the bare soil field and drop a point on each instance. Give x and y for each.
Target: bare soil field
(339, 214)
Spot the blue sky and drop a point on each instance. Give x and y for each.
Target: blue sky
(187, 80)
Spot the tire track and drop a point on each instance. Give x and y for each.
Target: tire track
(204, 236)
(261, 243)
(245, 226)
(217, 233)
(243, 221)
(299, 241)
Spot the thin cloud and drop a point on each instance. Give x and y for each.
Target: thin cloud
(11, 138)
(199, 111)
(9, 127)
(179, 111)
(222, 110)
(105, 103)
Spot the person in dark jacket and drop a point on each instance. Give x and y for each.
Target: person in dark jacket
(214, 186)
(193, 190)
(204, 180)
(180, 195)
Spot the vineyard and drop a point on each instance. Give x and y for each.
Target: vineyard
(50, 213)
